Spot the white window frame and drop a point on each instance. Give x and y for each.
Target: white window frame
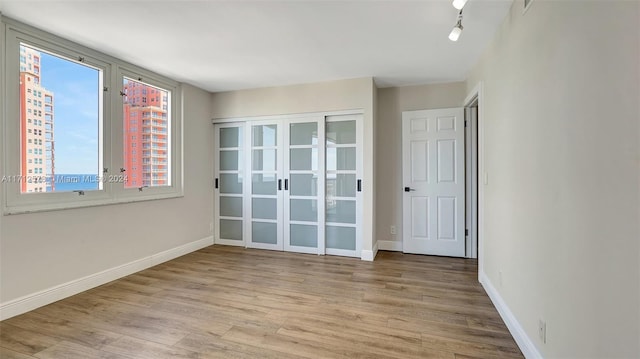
(174, 131)
(111, 124)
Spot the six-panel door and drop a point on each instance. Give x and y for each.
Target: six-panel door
(434, 182)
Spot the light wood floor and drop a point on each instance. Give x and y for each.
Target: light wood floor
(227, 302)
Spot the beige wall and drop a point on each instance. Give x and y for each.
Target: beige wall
(42, 250)
(325, 96)
(561, 127)
(391, 102)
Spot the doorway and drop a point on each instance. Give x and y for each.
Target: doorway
(441, 192)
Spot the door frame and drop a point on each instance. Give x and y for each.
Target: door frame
(471, 178)
(475, 97)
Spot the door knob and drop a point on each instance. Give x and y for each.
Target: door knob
(409, 189)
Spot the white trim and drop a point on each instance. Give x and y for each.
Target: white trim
(517, 331)
(289, 116)
(53, 294)
(478, 91)
(367, 255)
(390, 246)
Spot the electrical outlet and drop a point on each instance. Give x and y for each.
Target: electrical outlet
(393, 229)
(542, 331)
(486, 178)
(211, 227)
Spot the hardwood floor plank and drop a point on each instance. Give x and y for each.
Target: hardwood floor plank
(24, 341)
(68, 350)
(143, 349)
(230, 302)
(474, 349)
(58, 327)
(374, 341)
(10, 354)
(212, 346)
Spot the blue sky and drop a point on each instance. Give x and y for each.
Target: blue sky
(76, 95)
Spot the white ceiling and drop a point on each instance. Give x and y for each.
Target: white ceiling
(230, 45)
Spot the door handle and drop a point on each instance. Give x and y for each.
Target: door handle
(286, 184)
(409, 189)
(279, 185)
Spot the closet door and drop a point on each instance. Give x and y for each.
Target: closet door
(303, 186)
(265, 226)
(230, 184)
(343, 185)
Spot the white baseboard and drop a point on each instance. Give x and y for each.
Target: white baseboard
(390, 246)
(522, 339)
(367, 255)
(53, 294)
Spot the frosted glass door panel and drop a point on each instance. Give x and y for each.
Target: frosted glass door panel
(231, 206)
(231, 229)
(341, 212)
(303, 133)
(264, 184)
(341, 238)
(343, 185)
(230, 160)
(265, 136)
(303, 185)
(264, 208)
(303, 235)
(342, 132)
(302, 159)
(341, 158)
(265, 160)
(230, 183)
(304, 210)
(264, 233)
(231, 137)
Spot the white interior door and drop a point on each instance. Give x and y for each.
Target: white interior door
(230, 184)
(265, 227)
(434, 182)
(303, 185)
(343, 197)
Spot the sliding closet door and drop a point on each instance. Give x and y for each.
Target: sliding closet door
(265, 227)
(290, 183)
(230, 184)
(304, 186)
(343, 185)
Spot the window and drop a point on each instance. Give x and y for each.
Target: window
(64, 142)
(159, 142)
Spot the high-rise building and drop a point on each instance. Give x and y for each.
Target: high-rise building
(146, 138)
(36, 126)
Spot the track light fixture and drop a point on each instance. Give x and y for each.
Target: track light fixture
(457, 30)
(459, 4)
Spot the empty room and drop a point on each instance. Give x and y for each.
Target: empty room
(320, 179)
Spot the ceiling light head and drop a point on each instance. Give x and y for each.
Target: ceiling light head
(459, 4)
(456, 32)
